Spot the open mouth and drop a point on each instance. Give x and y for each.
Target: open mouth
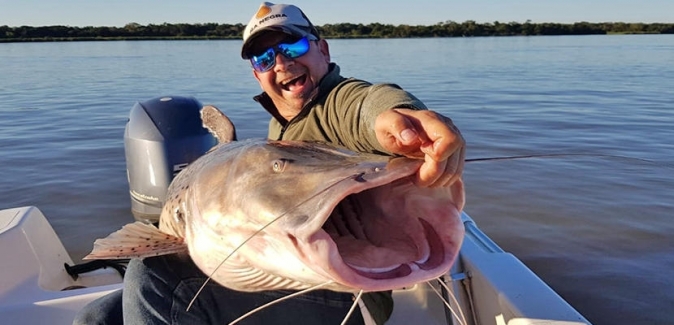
(292, 84)
(376, 230)
(384, 232)
(379, 237)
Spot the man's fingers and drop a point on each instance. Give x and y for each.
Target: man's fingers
(431, 172)
(397, 134)
(454, 168)
(429, 132)
(424, 134)
(442, 134)
(441, 173)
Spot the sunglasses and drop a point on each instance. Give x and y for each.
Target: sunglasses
(265, 61)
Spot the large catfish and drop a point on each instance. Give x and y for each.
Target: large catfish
(265, 215)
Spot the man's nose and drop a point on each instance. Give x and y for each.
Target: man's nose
(282, 61)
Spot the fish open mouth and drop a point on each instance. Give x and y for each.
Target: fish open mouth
(390, 234)
(379, 239)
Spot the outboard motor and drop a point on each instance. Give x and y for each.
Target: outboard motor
(163, 135)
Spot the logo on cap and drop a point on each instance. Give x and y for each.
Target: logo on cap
(263, 11)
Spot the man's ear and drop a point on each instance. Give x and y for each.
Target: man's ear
(325, 49)
(255, 74)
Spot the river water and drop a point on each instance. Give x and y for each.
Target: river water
(596, 224)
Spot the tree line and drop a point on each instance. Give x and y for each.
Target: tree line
(134, 31)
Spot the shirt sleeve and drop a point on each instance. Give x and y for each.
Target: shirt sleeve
(357, 105)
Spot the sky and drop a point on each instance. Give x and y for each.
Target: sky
(118, 13)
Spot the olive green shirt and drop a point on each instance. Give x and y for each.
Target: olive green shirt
(342, 111)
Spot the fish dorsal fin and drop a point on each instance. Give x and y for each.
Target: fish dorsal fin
(218, 124)
(136, 239)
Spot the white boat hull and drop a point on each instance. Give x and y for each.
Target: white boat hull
(491, 286)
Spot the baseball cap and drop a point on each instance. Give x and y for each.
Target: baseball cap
(278, 17)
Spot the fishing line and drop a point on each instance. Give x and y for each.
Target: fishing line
(553, 155)
(451, 295)
(353, 307)
(301, 292)
(461, 320)
(356, 176)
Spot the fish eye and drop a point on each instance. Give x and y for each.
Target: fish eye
(278, 165)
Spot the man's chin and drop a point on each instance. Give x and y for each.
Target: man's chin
(297, 95)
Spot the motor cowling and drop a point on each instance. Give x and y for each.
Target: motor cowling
(162, 136)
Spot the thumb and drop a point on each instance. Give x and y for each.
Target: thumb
(397, 134)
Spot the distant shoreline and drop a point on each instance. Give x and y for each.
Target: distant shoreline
(214, 31)
(198, 38)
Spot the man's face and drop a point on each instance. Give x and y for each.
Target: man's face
(291, 81)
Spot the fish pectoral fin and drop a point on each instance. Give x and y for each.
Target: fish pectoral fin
(136, 239)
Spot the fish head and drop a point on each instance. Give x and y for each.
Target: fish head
(290, 215)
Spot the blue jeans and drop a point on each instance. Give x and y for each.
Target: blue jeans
(158, 290)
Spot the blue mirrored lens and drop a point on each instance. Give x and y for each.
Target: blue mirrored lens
(265, 61)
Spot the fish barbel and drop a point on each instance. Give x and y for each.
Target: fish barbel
(266, 215)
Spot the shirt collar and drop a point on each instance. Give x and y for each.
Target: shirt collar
(329, 81)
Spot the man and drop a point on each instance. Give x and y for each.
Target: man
(305, 94)
(308, 100)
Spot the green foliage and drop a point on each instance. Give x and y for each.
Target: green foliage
(135, 31)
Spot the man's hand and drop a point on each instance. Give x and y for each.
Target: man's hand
(424, 134)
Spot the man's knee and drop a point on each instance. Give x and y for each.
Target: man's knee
(158, 273)
(106, 310)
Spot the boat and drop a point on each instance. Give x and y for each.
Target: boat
(40, 283)
(490, 286)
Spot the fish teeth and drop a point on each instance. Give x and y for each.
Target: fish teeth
(374, 269)
(427, 254)
(424, 258)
